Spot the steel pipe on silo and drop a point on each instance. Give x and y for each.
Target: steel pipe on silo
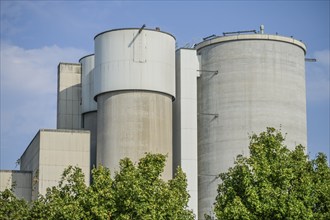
(89, 106)
(259, 83)
(134, 89)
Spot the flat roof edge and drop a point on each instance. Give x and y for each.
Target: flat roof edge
(184, 48)
(64, 130)
(16, 171)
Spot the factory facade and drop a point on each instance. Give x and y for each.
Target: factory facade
(198, 105)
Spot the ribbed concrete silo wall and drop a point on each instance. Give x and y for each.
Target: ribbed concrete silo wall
(134, 89)
(260, 83)
(89, 106)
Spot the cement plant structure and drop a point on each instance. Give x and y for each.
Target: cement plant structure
(198, 105)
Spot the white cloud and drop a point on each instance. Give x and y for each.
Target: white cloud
(35, 67)
(28, 92)
(317, 78)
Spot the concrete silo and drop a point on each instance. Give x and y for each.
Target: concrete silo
(134, 89)
(88, 104)
(247, 83)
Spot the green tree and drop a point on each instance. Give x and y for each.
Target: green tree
(65, 201)
(12, 207)
(274, 183)
(140, 193)
(100, 195)
(136, 192)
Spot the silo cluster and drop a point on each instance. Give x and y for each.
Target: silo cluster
(137, 94)
(219, 92)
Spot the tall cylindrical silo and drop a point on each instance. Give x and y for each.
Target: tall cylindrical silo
(247, 83)
(134, 89)
(89, 106)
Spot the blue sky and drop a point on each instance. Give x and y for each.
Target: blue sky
(37, 35)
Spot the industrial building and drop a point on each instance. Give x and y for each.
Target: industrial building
(137, 93)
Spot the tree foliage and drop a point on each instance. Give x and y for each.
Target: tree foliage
(142, 194)
(274, 183)
(12, 207)
(137, 191)
(65, 201)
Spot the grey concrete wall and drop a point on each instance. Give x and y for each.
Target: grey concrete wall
(69, 96)
(87, 84)
(88, 105)
(90, 123)
(177, 114)
(58, 150)
(261, 83)
(20, 181)
(185, 121)
(30, 161)
(50, 152)
(131, 123)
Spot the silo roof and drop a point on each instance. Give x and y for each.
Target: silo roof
(223, 39)
(122, 29)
